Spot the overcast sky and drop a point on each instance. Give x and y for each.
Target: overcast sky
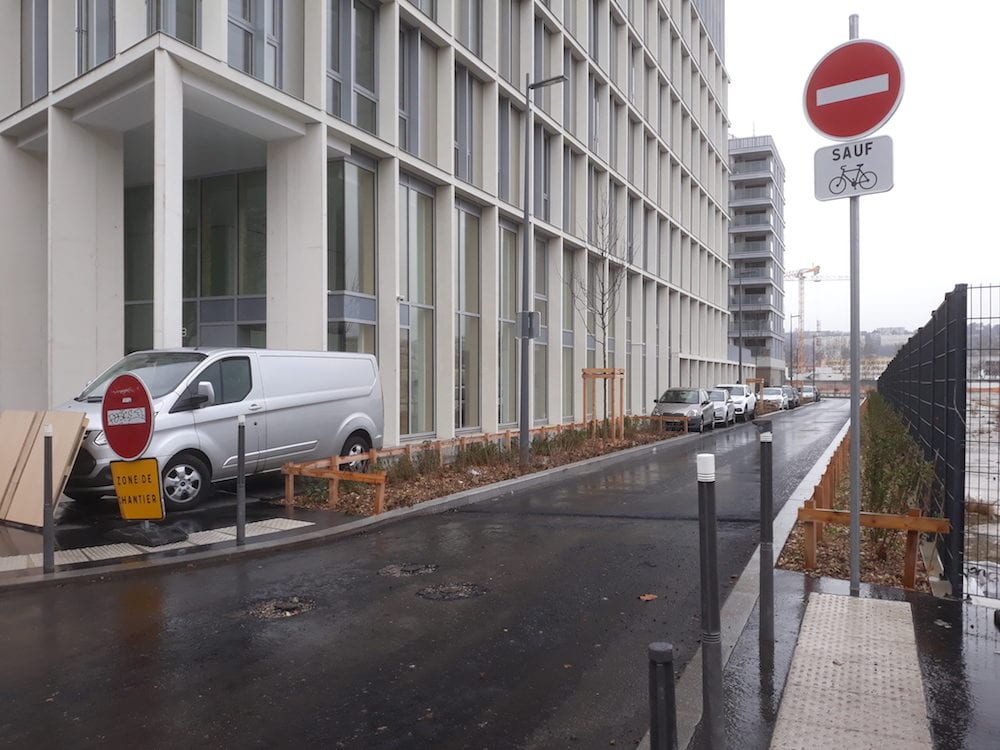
(932, 230)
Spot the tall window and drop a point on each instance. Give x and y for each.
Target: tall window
(508, 326)
(541, 349)
(409, 79)
(504, 149)
(416, 313)
(470, 24)
(255, 38)
(464, 118)
(351, 223)
(179, 18)
(510, 29)
(34, 50)
(95, 33)
(568, 306)
(467, 347)
(543, 172)
(351, 66)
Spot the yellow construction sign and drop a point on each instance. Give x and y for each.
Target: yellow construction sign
(137, 485)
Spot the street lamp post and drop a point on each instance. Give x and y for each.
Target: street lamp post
(791, 346)
(739, 374)
(528, 331)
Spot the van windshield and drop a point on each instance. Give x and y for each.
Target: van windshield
(162, 372)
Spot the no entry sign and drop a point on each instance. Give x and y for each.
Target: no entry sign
(853, 90)
(127, 416)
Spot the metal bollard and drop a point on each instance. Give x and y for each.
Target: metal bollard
(711, 630)
(662, 700)
(766, 532)
(48, 521)
(241, 480)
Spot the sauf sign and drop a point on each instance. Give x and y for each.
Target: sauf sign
(852, 92)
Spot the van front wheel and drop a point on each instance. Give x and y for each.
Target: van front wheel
(357, 445)
(186, 482)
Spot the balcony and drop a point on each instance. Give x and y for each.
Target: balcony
(751, 301)
(750, 249)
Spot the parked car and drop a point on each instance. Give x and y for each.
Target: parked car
(810, 393)
(775, 394)
(792, 395)
(299, 406)
(744, 399)
(692, 403)
(725, 409)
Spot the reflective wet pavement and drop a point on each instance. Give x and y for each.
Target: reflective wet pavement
(958, 648)
(549, 652)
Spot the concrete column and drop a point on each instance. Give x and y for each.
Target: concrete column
(297, 241)
(489, 311)
(130, 24)
(444, 122)
(445, 305)
(23, 285)
(168, 201)
(387, 38)
(85, 253)
(314, 53)
(490, 144)
(215, 29)
(554, 388)
(664, 321)
(642, 401)
(387, 275)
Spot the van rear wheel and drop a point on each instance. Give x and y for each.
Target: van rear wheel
(357, 444)
(186, 482)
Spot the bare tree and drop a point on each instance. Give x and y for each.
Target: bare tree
(596, 296)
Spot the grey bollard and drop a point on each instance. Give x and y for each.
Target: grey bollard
(766, 532)
(48, 519)
(662, 699)
(241, 480)
(711, 631)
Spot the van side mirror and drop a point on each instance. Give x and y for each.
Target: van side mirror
(195, 397)
(206, 394)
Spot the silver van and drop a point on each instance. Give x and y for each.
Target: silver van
(299, 406)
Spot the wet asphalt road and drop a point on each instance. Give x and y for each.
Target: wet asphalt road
(550, 654)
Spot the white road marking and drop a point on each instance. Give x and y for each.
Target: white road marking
(852, 89)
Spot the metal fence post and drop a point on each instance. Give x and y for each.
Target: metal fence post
(241, 481)
(766, 533)
(662, 699)
(711, 636)
(48, 520)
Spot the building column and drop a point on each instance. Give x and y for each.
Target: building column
(86, 195)
(168, 201)
(387, 251)
(215, 29)
(130, 24)
(314, 37)
(445, 306)
(24, 330)
(642, 403)
(297, 241)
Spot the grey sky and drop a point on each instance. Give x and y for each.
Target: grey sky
(929, 232)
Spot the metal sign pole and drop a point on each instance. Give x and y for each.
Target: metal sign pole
(855, 532)
(241, 481)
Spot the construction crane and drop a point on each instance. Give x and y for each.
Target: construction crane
(801, 274)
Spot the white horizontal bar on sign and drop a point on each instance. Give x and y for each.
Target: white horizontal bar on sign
(852, 89)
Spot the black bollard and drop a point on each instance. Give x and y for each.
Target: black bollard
(48, 520)
(241, 480)
(766, 533)
(662, 700)
(711, 629)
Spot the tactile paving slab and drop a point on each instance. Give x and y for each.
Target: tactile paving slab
(855, 680)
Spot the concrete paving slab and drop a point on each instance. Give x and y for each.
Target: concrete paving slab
(110, 551)
(70, 557)
(14, 562)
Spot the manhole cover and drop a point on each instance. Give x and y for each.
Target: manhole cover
(278, 609)
(447, 592)
(406, 570)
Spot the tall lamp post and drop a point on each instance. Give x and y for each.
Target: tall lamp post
(791, 346)
(739, 347)
(528, 319)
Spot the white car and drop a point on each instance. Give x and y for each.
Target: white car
(775, 395)
(725, 409)
(744, 399)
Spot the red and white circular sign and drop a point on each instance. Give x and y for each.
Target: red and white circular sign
(853, 90)
(127, 416)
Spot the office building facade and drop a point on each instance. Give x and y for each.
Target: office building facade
(757, 254)
(349, 174)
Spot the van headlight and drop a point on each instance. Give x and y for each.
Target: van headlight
(100, 438)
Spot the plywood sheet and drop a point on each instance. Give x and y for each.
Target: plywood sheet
(67, 431)
(17, 432)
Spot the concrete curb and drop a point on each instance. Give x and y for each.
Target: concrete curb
(742, 599)
(228, 551)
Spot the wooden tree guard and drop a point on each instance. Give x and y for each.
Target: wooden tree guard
(913, 523)
(616, 416)
(329, 469)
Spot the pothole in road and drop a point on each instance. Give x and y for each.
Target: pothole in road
(279, 609)
(405, 570)
(447, 592)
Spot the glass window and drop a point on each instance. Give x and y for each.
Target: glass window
(252, 240)
(344, 336)
(464, 118)
(470, 24)
(95, 29)
(34, 50)
(569, 380)
(351, 228)
(219, 236)
(508, 340)
(351, 66)
(179, 18)
(467, 348)
(417, 311)
(255, 38)
(230, 379)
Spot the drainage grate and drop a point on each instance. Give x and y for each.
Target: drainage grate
(447, 592)
(405, 570)
(278, 609)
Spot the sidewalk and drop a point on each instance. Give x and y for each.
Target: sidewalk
(795, 699)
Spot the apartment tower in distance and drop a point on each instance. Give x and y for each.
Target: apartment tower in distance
(348, 174)
(757, 254)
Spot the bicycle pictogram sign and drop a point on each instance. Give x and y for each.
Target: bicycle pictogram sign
(856, 178)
